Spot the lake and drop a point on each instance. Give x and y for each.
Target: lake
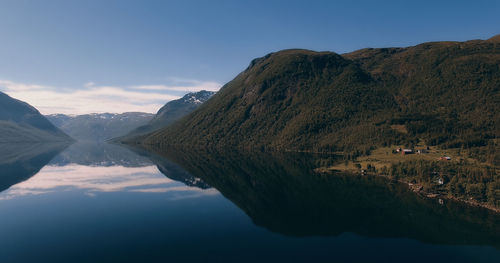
(106, 203)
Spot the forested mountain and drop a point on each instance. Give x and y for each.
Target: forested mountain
(173, 111)
(99, 127)
(20, 122)
(443, 93)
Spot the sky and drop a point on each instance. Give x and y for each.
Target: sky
(75, 57)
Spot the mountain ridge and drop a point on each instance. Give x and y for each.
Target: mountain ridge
(21, 122)
(99, 126)
(323, 101)
(171, 112)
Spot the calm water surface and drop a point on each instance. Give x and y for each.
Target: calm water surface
(106, 203)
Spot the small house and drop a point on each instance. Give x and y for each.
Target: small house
(406, 151)
(440, 181)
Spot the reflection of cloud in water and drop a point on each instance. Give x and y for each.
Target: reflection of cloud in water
(180, 192)
(94, 179)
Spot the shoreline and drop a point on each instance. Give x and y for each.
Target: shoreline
(417, 189)
(414, 187)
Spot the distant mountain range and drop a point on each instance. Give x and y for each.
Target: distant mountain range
(99, 127)
(444, 93)
(20, 122)
(173, 111)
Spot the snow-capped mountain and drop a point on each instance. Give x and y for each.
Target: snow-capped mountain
(173, 111)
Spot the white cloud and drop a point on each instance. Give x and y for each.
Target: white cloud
(210, 86)
(21, 86)
(92, 98)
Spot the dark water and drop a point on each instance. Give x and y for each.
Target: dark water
(105, 203)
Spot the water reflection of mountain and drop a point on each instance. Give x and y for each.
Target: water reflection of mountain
(283, 194)
(100, 154)
(105, 154)
(172, 170)
(20, 161)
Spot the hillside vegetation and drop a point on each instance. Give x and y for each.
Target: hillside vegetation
(442, 94)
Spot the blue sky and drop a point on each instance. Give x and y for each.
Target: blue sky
(80, 48)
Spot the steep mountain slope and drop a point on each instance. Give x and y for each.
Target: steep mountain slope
(293, 99)
(20, 122)
(173, 111)
(446, 93)
(99, 126)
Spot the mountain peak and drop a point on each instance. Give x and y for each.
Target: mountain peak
(172, 111)
(287, 56)
(197, 97)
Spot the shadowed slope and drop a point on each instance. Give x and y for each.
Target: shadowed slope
(20, 122)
